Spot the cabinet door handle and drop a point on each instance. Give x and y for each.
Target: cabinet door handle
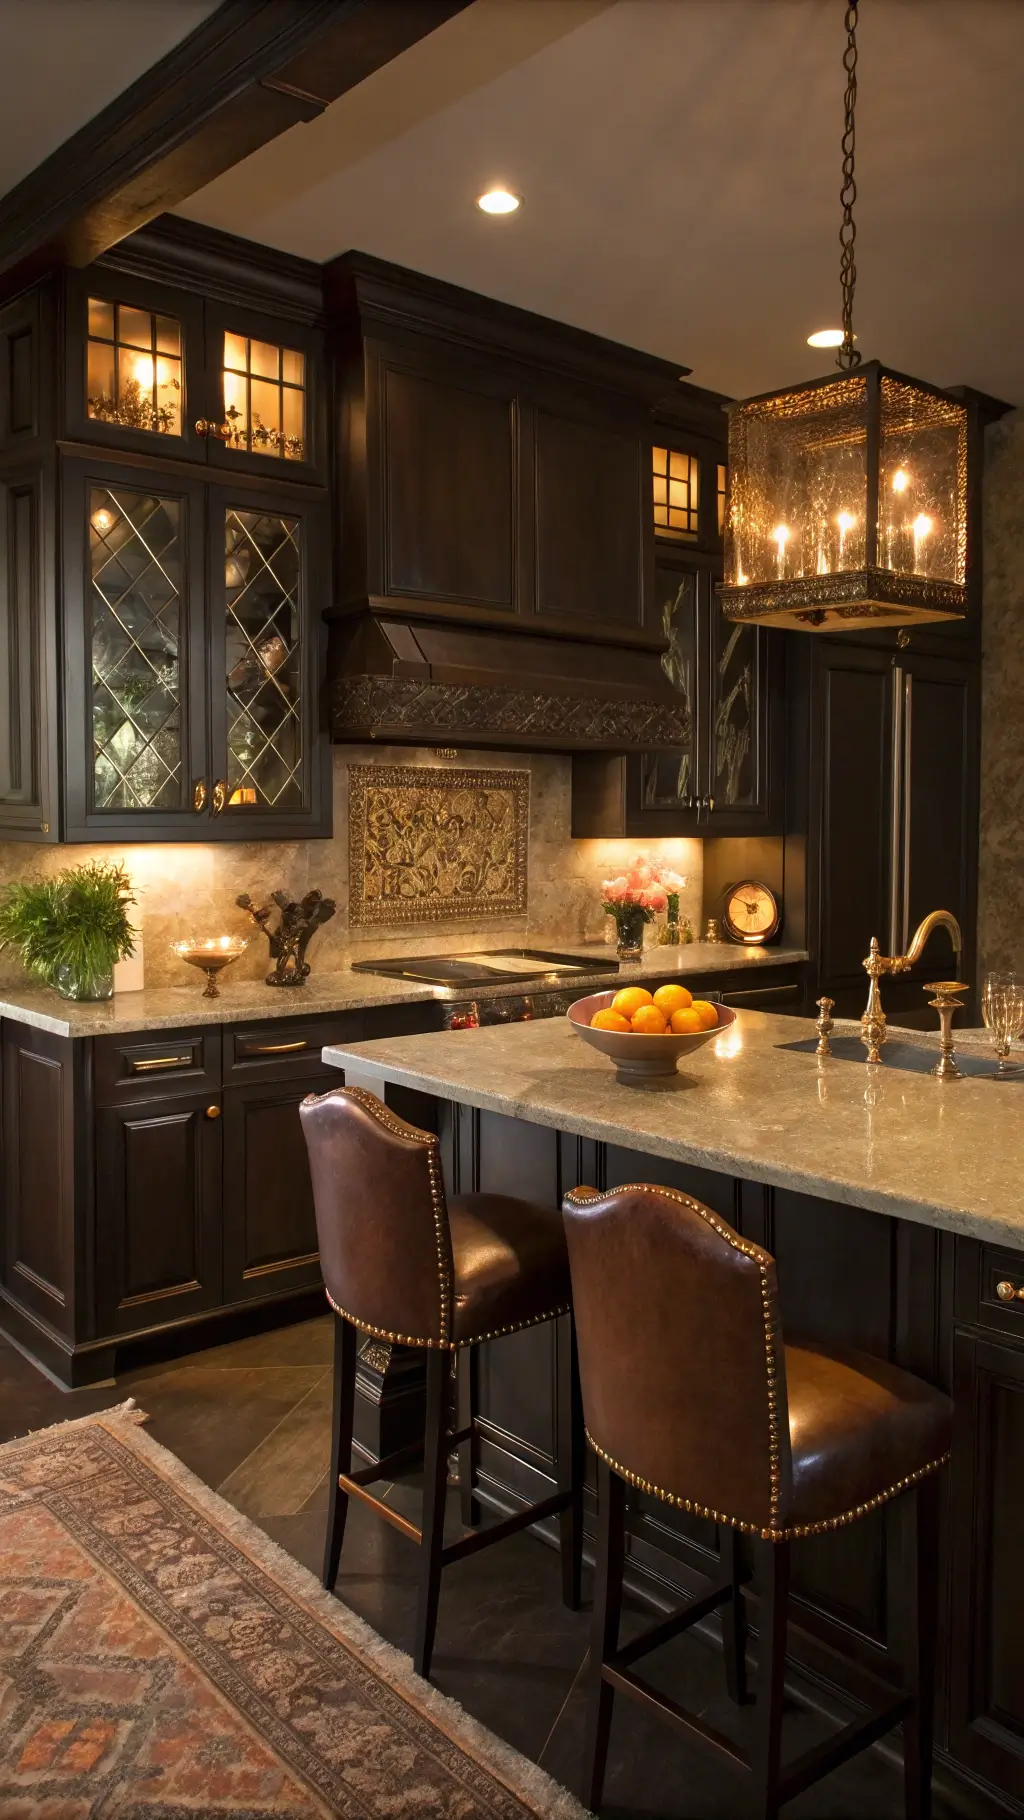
(1007, 1293)
(150, 1063)
(219, 797)
(213, 1112)
(273, 1048)
(199, 796)
(711, 805)
(205, 428)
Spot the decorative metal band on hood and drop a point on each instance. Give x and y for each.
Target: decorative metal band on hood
(380, 707)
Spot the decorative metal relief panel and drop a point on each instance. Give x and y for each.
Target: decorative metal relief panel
(428, 845)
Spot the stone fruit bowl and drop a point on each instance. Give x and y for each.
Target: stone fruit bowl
(640, 1058)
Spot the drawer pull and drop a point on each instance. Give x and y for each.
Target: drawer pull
(213, 1112)
(151, 1063)
(1007, 1293)
(274, 1048)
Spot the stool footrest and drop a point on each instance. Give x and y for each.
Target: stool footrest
(823, 1758)
(676, 1714)
(482, 1538)
(671, 1627)
(356, 1490)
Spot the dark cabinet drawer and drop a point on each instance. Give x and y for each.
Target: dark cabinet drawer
(286, 1048)
(158, 1062)
(990, 1286)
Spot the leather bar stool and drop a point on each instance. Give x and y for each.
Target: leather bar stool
(404, 1263)
(691, 1394)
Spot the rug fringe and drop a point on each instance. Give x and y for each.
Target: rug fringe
(128, 1411)
(523, 1778)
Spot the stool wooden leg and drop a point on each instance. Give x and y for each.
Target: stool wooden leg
(572, 1455)
(342, 1413)
(435, 1483)
(734, 1619)
(469, 1449)
(773, 1564)
(604, 1635)
(923, 1588)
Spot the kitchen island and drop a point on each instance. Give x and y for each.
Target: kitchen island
(891, 1202)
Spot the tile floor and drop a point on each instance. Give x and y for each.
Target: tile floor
(252, 1419)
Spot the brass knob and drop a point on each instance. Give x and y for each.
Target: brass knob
(711, 805)
(1007, 1293)
(219, 797)
(213, 1112)
(205, 428)
(199, 796)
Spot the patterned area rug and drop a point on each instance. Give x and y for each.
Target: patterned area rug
(160, 1657)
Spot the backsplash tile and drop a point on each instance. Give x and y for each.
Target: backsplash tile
(191, 889)
(433, 843)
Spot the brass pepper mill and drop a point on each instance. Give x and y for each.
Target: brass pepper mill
(824, 1026)
(945, 1003)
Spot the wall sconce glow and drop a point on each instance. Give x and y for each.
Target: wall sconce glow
(826, 338)
(499, 201)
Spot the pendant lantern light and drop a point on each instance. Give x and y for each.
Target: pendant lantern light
(849, 500)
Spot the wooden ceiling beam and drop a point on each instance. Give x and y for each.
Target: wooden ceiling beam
(253, 69)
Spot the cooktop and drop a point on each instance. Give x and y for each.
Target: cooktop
(487, 969)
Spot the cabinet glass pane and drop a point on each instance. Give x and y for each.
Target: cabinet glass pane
(133, 368)
(262, 578)
(669, 779)
(264, 398)
(734, 660)
(676, 483)
(136, 613)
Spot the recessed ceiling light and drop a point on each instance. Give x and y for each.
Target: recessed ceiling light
(499, 201)
(826, 338)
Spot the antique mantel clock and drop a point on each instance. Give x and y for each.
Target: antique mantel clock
(752, 913)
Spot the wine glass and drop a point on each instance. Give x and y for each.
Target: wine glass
(1002, 1007)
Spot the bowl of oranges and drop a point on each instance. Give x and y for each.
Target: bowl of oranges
(645, 1033)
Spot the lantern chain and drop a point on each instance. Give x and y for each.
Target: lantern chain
(848, 355)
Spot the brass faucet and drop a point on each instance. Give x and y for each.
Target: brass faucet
(872, 1031)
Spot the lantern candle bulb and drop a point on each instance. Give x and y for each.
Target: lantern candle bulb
(921, 527)
(846, 522)
(780, 537)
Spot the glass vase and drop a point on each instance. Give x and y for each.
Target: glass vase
(630, 924)
(83, 982)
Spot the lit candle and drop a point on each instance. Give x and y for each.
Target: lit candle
(846, 522)
(900, 480)
(897, 536)
(780, 537)
(921, 528)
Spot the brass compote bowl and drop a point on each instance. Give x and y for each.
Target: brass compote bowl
(211, 956)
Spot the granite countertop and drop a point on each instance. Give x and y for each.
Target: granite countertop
(242, 1001)
(943, 1153)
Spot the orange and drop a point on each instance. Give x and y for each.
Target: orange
(686, 1022)
(648, 1021)
(672, 998)
(608, 1020)
(707, 1012)
(630, 999)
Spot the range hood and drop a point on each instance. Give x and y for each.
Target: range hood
(400, 682)
(496, 541)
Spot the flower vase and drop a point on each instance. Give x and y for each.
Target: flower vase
(83, 982)
(630, 923)
(668, 934)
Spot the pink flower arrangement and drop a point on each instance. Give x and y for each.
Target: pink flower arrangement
(643, 886)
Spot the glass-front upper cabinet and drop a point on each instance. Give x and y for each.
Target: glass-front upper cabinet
(669, 779)
(192, 651)
(151, 368)
(268, 558)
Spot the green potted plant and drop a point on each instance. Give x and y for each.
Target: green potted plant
(70, 930)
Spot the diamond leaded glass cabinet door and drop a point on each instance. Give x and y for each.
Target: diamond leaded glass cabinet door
(263, 665)
(133, 610)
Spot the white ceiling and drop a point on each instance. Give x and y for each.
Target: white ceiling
(680, 164)
(61, 61)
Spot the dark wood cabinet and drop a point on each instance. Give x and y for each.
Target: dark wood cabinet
(270, 1242)
(158, 1179)
(986, 1653)
(165, 557)
(887, 771)
(728, 778)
